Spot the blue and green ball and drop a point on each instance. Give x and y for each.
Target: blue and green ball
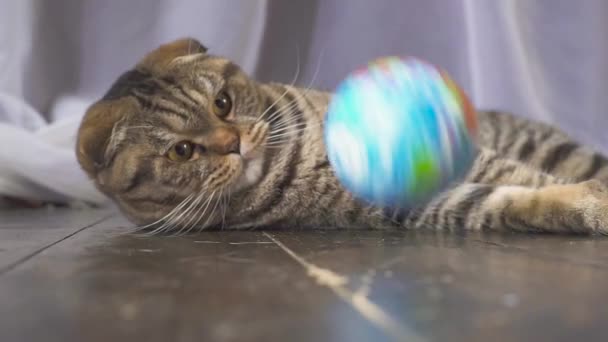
(399, 131)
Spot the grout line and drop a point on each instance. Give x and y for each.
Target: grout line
(14, 265)
(357, 300)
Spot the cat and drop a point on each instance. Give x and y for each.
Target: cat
(186, 141)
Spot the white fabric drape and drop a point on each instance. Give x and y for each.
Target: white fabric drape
(543, 59)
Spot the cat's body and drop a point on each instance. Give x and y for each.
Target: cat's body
(187, 141)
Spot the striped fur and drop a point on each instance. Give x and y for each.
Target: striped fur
(528, 176)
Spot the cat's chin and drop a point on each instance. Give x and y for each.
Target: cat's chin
(251, 172)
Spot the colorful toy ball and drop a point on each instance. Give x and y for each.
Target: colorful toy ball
(399, 131)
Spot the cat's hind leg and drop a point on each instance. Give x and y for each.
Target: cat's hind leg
(504, 194)
(559, 208)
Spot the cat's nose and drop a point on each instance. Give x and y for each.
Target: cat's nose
(224, 141)
(235, 145)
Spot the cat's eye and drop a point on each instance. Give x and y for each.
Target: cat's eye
(222, 105)
(182, 151)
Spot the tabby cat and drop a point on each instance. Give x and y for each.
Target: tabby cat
(186, 141)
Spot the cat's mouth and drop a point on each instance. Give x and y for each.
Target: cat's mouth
(251, 171)
(251, 156)
(252, 168)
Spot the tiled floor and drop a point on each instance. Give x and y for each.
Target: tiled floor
(71, 276)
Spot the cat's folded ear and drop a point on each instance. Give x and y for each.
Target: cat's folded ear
(163, 56)
(97, 135)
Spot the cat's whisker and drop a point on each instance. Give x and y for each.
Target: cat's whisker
(199, 215)
(292, 130)
(187, 215)
(227, 206)
(170, 214)
(290, 127)
(288, 134)
(294, 104)
(283, 111)
(171, 223)
(291, 109)
(278, 146)
(293, 82)
(289, 124)
(291, 116)
(285, 136)
(304, 93)
(204, 225)
(261, 116)
(277, 123)
(224, 209)
(278, 142)
(192, 217)
(289, 106)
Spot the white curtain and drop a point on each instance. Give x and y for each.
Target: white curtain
(543, 59)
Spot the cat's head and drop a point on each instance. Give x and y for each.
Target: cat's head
(181, 124)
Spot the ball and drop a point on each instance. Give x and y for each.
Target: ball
(399, 131)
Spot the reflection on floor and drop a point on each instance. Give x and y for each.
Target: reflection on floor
(70, 275)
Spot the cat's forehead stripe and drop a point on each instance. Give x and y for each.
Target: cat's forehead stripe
(207, 82)
(194, 95)
(175, 123)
